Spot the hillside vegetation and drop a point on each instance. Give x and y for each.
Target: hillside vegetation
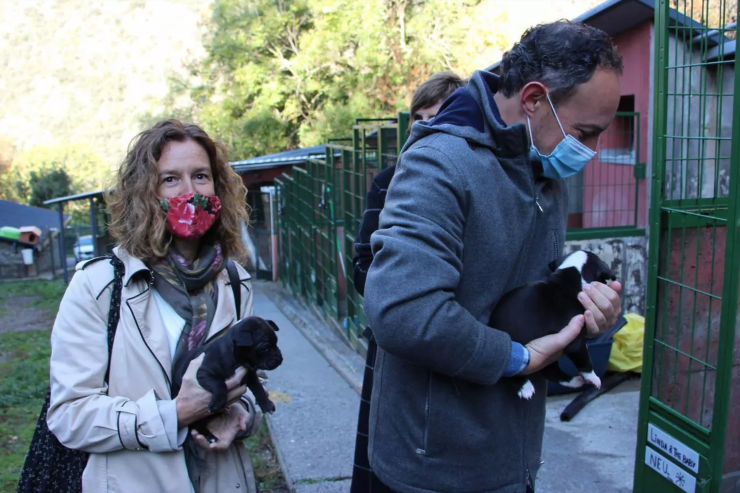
(79, 79)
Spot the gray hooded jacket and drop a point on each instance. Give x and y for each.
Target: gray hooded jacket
(467, 218)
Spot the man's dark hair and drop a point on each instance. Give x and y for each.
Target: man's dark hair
(561, 55)
(436, 89)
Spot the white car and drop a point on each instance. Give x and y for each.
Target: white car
(83, 248)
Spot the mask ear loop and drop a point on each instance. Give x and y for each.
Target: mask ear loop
(529, 128)
(547, 94)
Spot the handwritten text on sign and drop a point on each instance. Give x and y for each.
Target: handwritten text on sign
(670, 471)
(684, 455)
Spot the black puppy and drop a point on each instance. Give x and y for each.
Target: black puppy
(545, 307)
(251, 343)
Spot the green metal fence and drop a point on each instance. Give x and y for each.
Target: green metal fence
(320, 208)
(322, 204)
(689, 429)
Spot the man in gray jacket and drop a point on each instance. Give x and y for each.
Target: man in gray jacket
(476, 208)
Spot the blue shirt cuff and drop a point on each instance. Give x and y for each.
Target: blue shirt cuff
(518, 360)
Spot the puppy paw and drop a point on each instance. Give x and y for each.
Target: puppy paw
(591, 378)
(267, 407)
(574, 383)
(527, 390)
(217, 404)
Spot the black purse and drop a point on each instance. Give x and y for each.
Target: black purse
(49, 465)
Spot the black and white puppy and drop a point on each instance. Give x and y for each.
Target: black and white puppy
(251, 343)
(545, 307)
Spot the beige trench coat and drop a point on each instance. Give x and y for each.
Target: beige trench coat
(128, 426)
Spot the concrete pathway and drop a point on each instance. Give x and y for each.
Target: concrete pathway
(315, 422)
(314, 425)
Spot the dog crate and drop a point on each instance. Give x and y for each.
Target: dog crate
(689, 425)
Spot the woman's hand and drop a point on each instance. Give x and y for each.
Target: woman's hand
(224, 426)
(192, 401)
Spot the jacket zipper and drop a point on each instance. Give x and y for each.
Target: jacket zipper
(423, 451)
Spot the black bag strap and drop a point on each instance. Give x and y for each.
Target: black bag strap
(114, 313)
(235, 285)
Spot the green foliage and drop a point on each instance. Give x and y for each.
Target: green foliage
(285, 73)
(49, 185)
(84, 167)
(279, 74)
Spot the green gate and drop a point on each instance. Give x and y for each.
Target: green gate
(689, 429)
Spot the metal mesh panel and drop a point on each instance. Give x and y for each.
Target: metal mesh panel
(694, 250)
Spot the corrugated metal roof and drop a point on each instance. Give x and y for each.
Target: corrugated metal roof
(285, 158)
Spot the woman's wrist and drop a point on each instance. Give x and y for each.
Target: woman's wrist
(184, 413)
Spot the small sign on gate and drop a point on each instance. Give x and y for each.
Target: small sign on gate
(684, 455)
(669, 470)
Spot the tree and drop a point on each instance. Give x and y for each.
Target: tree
(49, 185)
(285, 73)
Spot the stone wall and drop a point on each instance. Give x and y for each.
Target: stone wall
(627, 257)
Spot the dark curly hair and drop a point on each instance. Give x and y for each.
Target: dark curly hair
(561, 55)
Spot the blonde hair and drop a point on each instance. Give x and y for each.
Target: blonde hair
(137, 220)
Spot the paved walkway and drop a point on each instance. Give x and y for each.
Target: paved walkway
(313, 427)
(316, 394)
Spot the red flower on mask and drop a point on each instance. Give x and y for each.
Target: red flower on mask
(191, 216)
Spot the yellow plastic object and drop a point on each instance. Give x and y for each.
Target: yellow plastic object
(626, 352)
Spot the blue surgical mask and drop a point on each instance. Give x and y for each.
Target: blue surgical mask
(569, 156)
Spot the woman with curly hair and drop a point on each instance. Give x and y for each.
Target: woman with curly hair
(176, 210)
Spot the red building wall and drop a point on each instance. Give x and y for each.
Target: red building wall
(265, 176)
(609, 189)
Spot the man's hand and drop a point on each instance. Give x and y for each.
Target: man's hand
(549, 348)
(224, 426)
(602, 305)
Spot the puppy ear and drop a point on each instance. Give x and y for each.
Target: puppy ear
(554, 264)
(243, 339)
(273, 325)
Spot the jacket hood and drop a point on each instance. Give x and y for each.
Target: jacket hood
(471, 113)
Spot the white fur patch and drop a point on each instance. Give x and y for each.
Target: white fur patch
(578, 260)
(591, 378)
(527, 390)
(574, 383)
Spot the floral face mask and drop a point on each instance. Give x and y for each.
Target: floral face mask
(190, 216)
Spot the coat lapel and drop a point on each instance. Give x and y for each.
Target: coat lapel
(150, 325)
(225, 310)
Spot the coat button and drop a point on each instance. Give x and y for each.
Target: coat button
(238, 485)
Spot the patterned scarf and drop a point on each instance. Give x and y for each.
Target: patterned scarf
(190, 290)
